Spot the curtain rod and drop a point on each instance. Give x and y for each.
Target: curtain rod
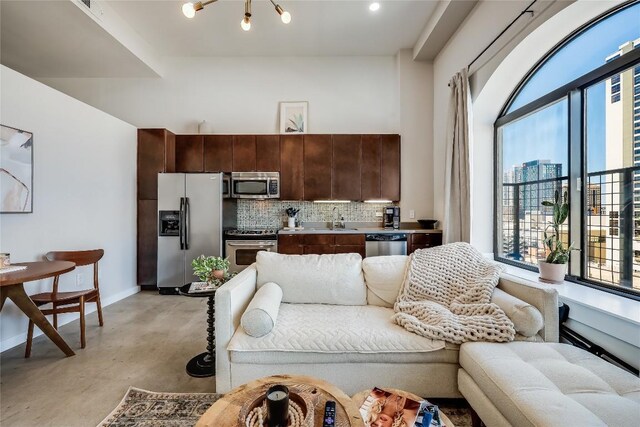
(525, 11)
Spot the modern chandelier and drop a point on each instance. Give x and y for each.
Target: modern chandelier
(189, 10)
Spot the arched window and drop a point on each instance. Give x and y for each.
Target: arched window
(573, 126)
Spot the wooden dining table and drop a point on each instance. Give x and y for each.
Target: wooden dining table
(12, 287)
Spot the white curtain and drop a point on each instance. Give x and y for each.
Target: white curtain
(457, 199)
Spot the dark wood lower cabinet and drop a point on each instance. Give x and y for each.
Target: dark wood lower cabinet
(321, 244)
(318, 249)
(423, 241)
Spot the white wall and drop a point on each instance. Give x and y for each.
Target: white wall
(415, 80)
(239, 95)
(84, 194)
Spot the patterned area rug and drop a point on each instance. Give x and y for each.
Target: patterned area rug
(141, 408)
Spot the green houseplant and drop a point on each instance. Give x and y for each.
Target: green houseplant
(210, 268)
(554, 267)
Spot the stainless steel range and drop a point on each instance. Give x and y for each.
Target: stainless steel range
(242, 246)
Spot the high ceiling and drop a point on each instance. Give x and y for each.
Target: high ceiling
(131, 38)
(317, 28)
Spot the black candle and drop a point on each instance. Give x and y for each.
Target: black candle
(278, 406)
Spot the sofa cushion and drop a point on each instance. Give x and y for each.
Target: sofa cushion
(314, 279)
(535, 384)
(526, 319)
(333, 333)
(383, 276)
(260, 316)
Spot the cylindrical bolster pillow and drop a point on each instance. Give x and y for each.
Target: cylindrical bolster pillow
(526, 319)
(260, 316)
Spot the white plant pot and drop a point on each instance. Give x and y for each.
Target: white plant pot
(552, 272)
(292, 222)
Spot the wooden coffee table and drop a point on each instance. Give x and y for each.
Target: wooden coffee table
(227, 411)
(359, 398)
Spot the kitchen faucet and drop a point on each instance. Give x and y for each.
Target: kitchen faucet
(337, 221)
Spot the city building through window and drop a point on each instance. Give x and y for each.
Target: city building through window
(573, 126)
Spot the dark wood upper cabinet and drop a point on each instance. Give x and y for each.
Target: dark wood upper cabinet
(371, 163)
(390, 167)
(346, 166)
(156, 153)
(317, 167)
(244, 153)
(268, 153)
(291, 167)
(218, 153)
(189, 153)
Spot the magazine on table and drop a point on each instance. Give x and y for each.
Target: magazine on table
(197, 287)
(382, 408)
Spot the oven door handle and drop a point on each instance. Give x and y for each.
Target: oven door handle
(258, 244)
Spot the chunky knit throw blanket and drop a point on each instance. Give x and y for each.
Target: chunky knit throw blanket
(446, 296)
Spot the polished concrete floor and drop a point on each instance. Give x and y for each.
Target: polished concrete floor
(146, 342)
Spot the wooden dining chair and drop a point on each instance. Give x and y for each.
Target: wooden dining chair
(69, 302)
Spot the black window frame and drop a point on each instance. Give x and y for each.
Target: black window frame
(574, 92)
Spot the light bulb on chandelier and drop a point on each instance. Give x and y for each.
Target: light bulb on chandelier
(190, 8)
(246, 23)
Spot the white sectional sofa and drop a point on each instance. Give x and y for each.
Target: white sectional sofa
(335, 323)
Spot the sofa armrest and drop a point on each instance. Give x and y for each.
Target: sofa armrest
(542, 297)
(231, 301)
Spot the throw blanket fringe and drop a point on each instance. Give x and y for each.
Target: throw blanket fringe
(446, 296)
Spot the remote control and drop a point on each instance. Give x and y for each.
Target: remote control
(329, 414)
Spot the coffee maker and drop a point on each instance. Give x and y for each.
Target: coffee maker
(391, 217)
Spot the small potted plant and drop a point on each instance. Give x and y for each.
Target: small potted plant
(211, 268)
(554, 267)
(291, 213)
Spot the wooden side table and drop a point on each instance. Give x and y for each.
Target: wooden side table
(226, 411)
(204, 364)
(359, 398)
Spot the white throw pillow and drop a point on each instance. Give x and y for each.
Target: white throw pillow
(314, 279)
(384, 276)
(260, 316)
(526, 319)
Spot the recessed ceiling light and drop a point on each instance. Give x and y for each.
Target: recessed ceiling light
(374, 6)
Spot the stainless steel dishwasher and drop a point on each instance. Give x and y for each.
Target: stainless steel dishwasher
(378, 244)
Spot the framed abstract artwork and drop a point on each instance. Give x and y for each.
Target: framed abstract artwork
(293, 117)
(16, 170)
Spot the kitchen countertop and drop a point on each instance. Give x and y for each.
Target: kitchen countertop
(358, 228)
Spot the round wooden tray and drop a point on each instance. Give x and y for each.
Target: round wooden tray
(295, 395)
(226, 411)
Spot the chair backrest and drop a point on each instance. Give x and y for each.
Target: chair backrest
(80, 258)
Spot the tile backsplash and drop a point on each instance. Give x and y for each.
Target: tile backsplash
(271, 213)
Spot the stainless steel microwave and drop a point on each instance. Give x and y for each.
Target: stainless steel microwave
(255, 185)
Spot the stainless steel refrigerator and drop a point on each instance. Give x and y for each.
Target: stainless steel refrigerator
(192, 216)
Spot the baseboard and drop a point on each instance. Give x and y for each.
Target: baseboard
(64, 319)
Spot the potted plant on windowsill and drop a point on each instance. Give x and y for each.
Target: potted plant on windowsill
(210, 269)
(554, 267)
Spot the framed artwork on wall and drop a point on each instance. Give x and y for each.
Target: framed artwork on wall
(16, 170)
(293, 117)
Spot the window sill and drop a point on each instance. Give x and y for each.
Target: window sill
(624, 309)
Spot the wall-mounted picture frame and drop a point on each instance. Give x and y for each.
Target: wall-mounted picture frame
(294, 117)
(16, 170)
